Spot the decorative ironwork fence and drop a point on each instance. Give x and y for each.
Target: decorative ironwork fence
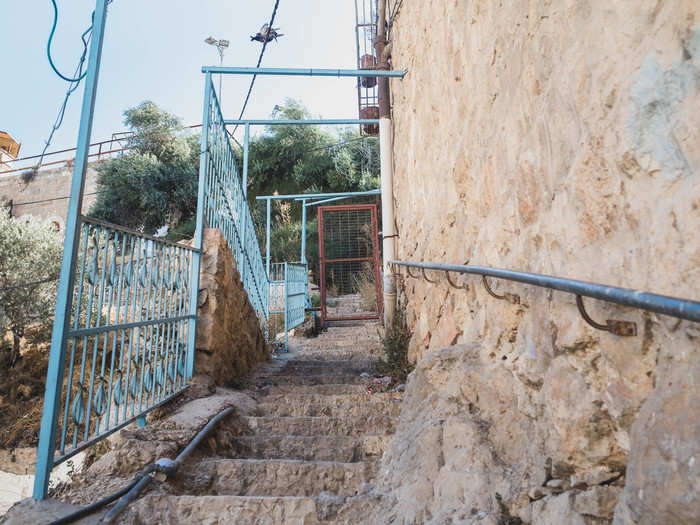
(126, 351)
(226, 206)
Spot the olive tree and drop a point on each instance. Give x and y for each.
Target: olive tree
(30, 259)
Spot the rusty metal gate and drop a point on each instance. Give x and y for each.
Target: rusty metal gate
(350, 285)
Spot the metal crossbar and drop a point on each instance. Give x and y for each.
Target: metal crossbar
(226, 207)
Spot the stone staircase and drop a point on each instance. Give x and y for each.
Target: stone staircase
(305, 456)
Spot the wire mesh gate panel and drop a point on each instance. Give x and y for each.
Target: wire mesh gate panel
(349, 262)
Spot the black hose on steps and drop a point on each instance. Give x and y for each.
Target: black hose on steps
(143, 478)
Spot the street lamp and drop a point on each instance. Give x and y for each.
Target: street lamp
(220, 45)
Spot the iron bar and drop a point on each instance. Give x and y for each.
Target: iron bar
(64, 301)
(127, 326)
(303, 72)
(319, 195)
(302, 122)
(661, 304)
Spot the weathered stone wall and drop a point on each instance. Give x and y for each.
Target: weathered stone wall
(229, 340)
(52, 187)
(559, 138)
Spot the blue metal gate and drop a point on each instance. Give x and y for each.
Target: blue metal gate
(288, 290)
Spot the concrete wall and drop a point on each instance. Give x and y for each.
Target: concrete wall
(560, 138)
(52, 187)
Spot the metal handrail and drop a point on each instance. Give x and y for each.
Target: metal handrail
(100, 153)
(661, 304)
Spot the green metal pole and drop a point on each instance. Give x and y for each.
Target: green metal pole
(64, 300)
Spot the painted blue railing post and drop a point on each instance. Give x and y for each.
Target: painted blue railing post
(303, 231)
(267, 240)
(246, 146)
(196, 259)
(286, 307)
(307, 299)
(64, 300)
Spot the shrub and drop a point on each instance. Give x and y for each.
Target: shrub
(30, 258)
(395, 345)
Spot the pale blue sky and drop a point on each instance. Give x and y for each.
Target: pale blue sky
(154, 50)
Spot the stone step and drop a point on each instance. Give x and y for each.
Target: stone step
(242, 510)
(330, 388)
(345, 449)
(335, 408)
(315, 367)
(304, 398)
(323, 426)
(316, 379)
(277, 477)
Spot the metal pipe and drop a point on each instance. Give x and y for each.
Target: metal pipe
(267, 240)
(387, 169)
(246, 145)
(163, 465)
(302, 122)
(661, 304)
(64, 300)
(319, 195)
(303, 231)
(326, 201)
(304, 72)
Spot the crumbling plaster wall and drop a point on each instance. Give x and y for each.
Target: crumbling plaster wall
(560, 138)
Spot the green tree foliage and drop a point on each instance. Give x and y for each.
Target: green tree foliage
(298, 159)
(30, 253)
(155, 183)
(303, 159)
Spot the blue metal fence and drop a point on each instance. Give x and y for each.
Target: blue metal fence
(288, 289)
(226, 206)
(126, 350)
(296, 279)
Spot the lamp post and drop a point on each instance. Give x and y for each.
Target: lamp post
(220, 45)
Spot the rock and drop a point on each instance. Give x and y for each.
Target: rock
(229, 340)
(538, 493)
(557, 510)
(598, 501)
(663, 474)
(583, 180)
(557, 484)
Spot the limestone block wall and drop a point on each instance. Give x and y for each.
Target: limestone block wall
(229, 340)
(51, 187)
(560, 138)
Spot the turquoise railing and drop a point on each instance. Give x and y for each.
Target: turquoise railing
(126, 350)
(288, 290)
(226, 206)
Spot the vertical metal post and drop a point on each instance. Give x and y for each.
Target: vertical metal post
(307, 299)
(383, 50)
(267, 240)
(286, 307)
(246, 141)
(197, 256)
(303, 231)
(64, 300)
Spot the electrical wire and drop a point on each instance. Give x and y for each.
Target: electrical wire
(74, 81)
(262, 52)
